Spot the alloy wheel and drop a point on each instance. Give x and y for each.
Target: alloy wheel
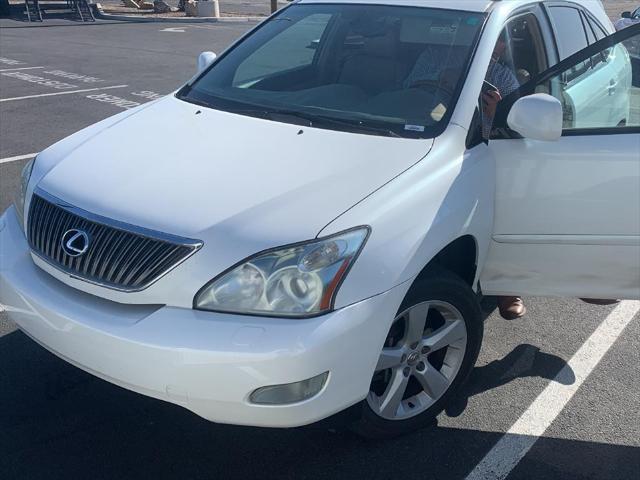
(421, 358)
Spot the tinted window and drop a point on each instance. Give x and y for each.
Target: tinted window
(594, 29)
(375, 69)
(600, 33)
(591, 37)
(569, 30)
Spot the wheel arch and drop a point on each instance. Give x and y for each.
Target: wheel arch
(459, 257)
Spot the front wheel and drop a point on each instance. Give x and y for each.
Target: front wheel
(429, 352)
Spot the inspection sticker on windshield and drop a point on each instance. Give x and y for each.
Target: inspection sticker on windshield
(414, 128)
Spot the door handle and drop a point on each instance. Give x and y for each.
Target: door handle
(611, 89)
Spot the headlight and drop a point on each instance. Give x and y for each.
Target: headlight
(21, 194)
(296, 281)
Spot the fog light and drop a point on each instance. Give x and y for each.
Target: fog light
(289, 393)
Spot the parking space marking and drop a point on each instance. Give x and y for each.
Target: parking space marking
(204, 27)
(148, 94)
(514, 445)
(37, 79)
(182, 28)
(114, 100)
(17, 158)
(21, 68)
(61, 93)
(74, 76)
(11, 61)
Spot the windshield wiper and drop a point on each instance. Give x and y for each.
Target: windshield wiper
(313, 120)
(273, 114)
(357, 126)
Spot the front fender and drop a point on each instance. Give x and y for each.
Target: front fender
(449, 194)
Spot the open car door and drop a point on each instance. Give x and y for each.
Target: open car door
(567, 212)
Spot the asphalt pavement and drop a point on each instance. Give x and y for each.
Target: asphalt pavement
(58, 422)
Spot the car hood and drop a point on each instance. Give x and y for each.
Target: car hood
(186, 170)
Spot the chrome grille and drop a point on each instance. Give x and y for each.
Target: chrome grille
(120, 256)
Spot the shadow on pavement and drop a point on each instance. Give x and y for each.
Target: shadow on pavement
(523, 361)
(58, 422)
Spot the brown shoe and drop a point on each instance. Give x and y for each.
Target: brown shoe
(598, 301)
(511, 307)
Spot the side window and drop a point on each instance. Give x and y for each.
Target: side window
(591, 35)
(519, 55)
(570, 36)
(569, 30)
(605, 96)
(599, 31)
(595, 33)
(293, 48)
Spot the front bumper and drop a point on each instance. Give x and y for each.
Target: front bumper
(207, 362)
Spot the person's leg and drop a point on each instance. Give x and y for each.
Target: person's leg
(511, 307)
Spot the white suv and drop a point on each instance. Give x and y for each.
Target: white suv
(317, 229)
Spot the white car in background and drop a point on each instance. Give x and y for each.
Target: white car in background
(318, 231)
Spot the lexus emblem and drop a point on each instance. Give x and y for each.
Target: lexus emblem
(75, 242)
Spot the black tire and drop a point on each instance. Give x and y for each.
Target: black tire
(444, 286)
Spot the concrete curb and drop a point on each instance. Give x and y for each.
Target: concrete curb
(139, 18)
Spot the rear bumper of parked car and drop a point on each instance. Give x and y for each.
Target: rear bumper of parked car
(209, 363)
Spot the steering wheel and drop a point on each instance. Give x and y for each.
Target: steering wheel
(434, 84)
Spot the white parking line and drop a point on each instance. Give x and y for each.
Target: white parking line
(15, 159)
(523, 434)
(204, 27)
(21, 68)
(11, 61)
(61, 93)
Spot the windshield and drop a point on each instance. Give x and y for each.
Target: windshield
(381, 70)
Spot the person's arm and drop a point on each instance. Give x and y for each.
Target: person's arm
(506, 82)
(490, 102)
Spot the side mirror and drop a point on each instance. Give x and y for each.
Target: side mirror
(626, 15)
(204, 60)
(538, 117)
